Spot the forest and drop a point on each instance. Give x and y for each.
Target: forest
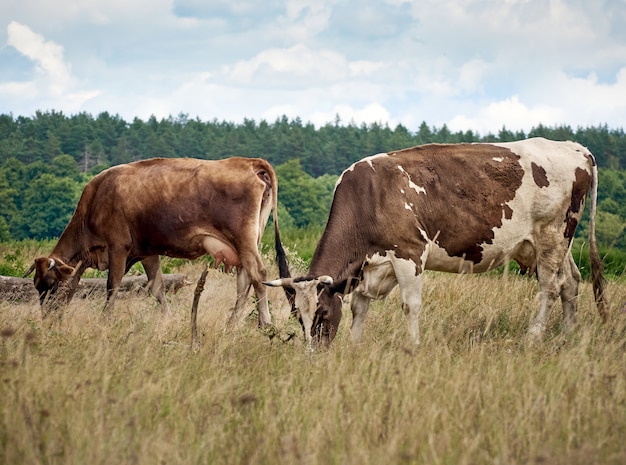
(46, 159)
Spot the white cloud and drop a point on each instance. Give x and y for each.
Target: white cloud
(298, 66)
(47, 56)
(510, 112)
(52, 82)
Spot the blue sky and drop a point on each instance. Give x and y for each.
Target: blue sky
(470, 64)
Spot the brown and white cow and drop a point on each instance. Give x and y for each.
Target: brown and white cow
(182, 208)
(464, 208)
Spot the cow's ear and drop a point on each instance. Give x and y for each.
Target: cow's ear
(65, 272)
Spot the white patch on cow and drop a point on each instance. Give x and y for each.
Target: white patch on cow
(379, 277)
(418, 189)
(408, 206)
(412, 185)
(498, 159)
(369, 160)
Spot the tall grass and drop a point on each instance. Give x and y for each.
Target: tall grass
(126, 389)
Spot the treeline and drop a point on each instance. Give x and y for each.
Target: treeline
(110, 140)
(46, 159)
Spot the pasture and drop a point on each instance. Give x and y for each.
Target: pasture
(126, 389)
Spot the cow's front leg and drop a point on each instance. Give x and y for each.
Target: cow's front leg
(359, 304)
(117, 268)
(410, 282)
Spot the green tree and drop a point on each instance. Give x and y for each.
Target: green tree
(49, 203)
(64, 166)
(8, 208)
(306, 199)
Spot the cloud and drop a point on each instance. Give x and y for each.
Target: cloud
(47, 56)
(52, 80)
(510, 113)
(296, 67)
(226, 8)
(575, 101)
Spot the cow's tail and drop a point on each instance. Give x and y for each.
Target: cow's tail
(597, 269)
(281, 256)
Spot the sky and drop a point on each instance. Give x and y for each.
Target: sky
(477, 65)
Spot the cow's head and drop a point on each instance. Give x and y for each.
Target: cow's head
(317, 305)
(49, 274)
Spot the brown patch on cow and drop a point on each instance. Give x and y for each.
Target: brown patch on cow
(508, 212)
(539, 175)
(467, 188)
(580, 187)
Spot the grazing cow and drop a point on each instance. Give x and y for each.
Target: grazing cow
(463, 208)
(182, 208)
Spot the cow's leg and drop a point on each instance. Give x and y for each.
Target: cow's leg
(264, 314)
(550, 259)
(410, 281)
(377, 280)
(359, 304)
(569, 280)
(117, 269)
(152, 266)
(253, 273)
(411, 297)
(243, 288)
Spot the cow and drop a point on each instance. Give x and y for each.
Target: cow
(458, 208)
(181, 207)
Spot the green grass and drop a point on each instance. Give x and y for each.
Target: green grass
(126, 389)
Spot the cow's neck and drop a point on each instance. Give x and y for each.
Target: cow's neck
(68, 248)
(340, 255)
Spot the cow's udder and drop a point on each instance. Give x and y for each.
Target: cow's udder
(221, 251)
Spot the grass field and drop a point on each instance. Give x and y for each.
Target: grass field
(83, 389)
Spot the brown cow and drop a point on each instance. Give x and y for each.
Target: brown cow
(465, 208)
(182, 208)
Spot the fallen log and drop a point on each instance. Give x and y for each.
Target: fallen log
(22, 289)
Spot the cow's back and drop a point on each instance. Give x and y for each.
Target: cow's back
(158, 206)
(481, 203)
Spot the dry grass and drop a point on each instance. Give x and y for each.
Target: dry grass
(127, 389)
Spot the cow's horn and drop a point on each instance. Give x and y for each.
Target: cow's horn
(30, 270)
(325, 279)
(279, 282)
(51, 263)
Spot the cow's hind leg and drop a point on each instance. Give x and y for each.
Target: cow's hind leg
(152, 266)
(252, 273)
(244, 283)
(569, 278)
(550, 259)
(264, 313)
(243, 289)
